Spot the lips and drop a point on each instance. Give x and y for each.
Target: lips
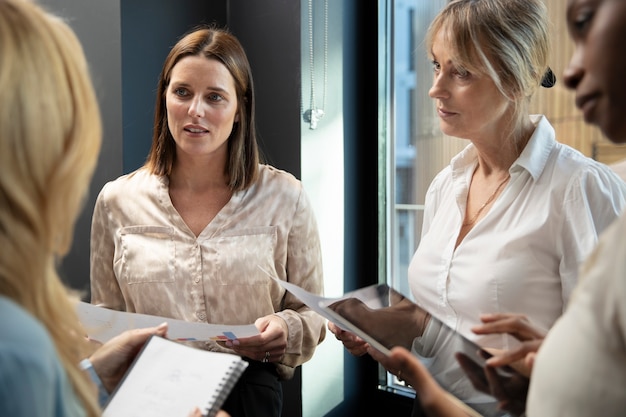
(195, 129)
(443, 113)
(587, 104)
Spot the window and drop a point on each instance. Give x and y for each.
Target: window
(415, 150)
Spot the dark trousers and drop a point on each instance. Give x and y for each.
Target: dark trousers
(258, 393)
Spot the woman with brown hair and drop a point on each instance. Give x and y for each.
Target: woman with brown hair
(189, 234)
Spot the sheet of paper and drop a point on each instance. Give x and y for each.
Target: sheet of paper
(103, 324)
(313, 301)
(320, 304)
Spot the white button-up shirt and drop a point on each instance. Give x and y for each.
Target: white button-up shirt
(523, 256)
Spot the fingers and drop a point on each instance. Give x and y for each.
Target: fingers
(474, 372)
(270, 352)
(521, 358)
(516, 325)
(507, 357)
(139, 336)
(407, 367)
(396, 363)
(510, 391)
(354, 344)
(197, 413)
(495, 383)
(529, 361)
(269, 346)
(265, 356)
(269, 356)
(333, 328)
(337, 331)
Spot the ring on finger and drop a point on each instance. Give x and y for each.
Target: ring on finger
(266, 358)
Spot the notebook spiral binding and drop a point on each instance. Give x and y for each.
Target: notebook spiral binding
(228, 382)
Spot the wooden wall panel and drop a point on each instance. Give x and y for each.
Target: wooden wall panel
(557, 103)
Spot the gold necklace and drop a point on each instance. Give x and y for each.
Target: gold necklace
(489, 200)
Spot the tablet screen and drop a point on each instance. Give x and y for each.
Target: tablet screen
(385, 318)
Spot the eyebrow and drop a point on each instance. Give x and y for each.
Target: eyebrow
(209, 88)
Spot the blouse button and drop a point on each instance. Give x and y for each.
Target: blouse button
(201, 316)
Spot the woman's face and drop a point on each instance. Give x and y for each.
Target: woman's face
(597, 70)
(469, 106)
(201, 103)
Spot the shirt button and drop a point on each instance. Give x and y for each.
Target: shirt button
(201, 316)
(197, 280)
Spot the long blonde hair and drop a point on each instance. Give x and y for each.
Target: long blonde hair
(50, 134)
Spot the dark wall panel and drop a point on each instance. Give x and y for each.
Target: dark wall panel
(270, 32)
(149, 29)
(97, 24)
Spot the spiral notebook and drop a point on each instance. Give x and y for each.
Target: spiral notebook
(169, 379)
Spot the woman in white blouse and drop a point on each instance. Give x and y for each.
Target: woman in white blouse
(509, 221)
(580, 368)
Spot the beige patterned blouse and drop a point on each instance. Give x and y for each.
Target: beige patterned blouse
(145, 259)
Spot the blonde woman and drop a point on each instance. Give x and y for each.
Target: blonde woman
(50, 133)
(580, 367)
(509, 221)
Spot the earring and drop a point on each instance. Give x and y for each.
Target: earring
(549, 79)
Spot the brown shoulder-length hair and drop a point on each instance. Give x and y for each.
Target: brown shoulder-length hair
(243, 153)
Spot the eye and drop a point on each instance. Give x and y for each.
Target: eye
(215, 97)
(436, 66)
(181, 92)
(581, 21)
(461, 72)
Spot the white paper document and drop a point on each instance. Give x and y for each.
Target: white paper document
(103, 324)
(369, 296)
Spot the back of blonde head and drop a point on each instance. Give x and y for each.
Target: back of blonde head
(50, 133)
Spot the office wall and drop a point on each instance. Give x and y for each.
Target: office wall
(97, 24)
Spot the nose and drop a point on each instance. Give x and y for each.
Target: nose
(574, 71)
(196, 107)
(438, 89)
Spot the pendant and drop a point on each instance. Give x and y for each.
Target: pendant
(313, 116)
